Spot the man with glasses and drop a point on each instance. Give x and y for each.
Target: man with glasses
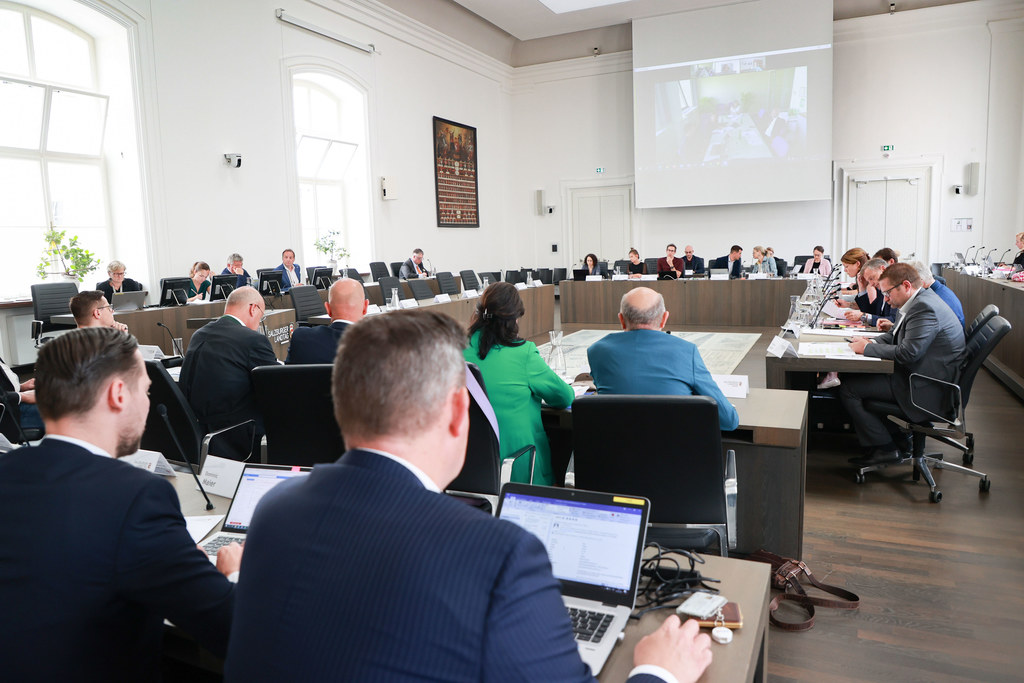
(215, 375)
(692, 264)
(92, 310)
(669, 262)
(928, 339)
(117, 282)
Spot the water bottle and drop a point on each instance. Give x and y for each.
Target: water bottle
(394, 298)
(486, 282)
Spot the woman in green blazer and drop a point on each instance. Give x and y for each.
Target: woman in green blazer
(516, 379)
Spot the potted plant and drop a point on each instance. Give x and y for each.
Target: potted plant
(328, 245)
(65, 258)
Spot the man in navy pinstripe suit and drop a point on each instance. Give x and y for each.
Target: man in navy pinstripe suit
(365, 571)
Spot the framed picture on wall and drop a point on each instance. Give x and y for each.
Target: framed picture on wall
(455, 177)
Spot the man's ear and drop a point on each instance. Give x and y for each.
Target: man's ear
(459, 421)
(116, 394)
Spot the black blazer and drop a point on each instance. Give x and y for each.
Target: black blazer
(129, 285)
(735, 271)
(94, 554)
(215, 372)
(317, 344)
(12, 408)
(696, 265)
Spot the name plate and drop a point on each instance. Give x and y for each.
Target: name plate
(688, 273)
(758, 276)
(408, 303)
(652, 277)
(520, 285)
(372, 309)
(442, 298)
(594, 278)
(719, 276)
(793, 328)
(618, 277)
(220, 475)
(536, 283)
(805, 276)
(779, 347)
(151, 461)
(470, 294)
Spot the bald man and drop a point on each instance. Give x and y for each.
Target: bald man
(644, 360)
(215, 372)
(346, 304)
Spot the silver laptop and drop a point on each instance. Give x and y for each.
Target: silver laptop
(128, 301)
(595, 542)
(255, 481)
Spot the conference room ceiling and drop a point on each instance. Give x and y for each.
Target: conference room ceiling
(531, 19)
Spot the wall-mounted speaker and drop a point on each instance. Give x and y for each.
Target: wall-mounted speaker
(973, 178)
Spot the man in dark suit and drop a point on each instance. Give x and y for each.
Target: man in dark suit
(18, 400)
(215, 373)
(691, 262)
(413, 266)
(346, 304)
(236, 266)
(398, 581)
(733, 262)
(292, 271)
(94, 553)
(928, 339)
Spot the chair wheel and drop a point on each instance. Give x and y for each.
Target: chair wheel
(935, 497)
(984, 485)
(858, 478)
(968, 458)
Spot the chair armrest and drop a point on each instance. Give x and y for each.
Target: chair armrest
(731, 494)
(954, 390)
(205, 449)
(508, 462)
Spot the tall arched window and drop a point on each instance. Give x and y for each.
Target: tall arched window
(332, 164)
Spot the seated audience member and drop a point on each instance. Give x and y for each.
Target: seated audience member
(890, 256)
(292, 270)
(91, 309)
(516, 378)
(691, 262)
(592, 266)
(636, 266)
(818, 263)
(346, 304)
(215, 375)
(413, 266)
(199, 287)
(644, 360)
(870, 311)
(733, 262)
(96, 552)
(853, 260)
(116, 281)
(478, 603)
(927, 339)
(762, 263)
(928, 281)
(19, 399)
(236, 267)
(669, 262)
(1018, 262)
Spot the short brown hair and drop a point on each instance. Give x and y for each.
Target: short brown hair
(898, 272)
(887, 254)
(84, 303)
(735, 248)
(73, 367)
(855, 255)
(393, 371)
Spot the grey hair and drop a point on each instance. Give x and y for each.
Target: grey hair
(115, 265)
(235, 257)
(924, 271)
(875, 264)
(636, 317)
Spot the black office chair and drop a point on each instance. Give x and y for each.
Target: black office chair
(951, 427)
(446, 283)
(544, 275)
(559, 274)
(469, 280)
(378, 269)
(301, 430)
(798, 262)
(350, 273)
(622, 265)
(484, 472)
(983, 317)
(780, 266)
(514, 277)
(652, 266)
(491, 275)
(691, 487)
(309, 273)
(396, 268)
(50, 299)
(164, 391)
(936, 269)
(307, 302)
(387, 284)
(420, 289)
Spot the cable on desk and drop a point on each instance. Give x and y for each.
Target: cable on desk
(662, 584)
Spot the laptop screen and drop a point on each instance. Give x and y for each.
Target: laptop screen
(591, 542)
(254, 483)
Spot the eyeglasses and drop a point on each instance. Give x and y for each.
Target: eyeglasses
(100, 308)
(886, 292)
(117, 274)
(263, 312)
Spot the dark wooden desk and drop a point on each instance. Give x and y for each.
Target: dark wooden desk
(759, 303)
(779, 372)
(745, 583)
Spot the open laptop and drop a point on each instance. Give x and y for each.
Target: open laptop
(255, 481)
(580, 274)
(128, 301)
(595, 542)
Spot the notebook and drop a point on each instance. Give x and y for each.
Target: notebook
(253, 484)
(595, 542)
(128, 301)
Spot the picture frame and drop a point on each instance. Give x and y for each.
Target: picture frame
(456, 188)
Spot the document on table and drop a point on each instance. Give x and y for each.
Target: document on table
(733, 386)
(200, 525)
(831, 310)
(825, 349)
(849, 333)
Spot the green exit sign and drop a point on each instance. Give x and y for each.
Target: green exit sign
(599, 169)
(888, 148)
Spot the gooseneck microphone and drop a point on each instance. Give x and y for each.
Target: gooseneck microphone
(1002, 259)
(967, 254)
(162, 410)
(975, 261)
(989, 254)
(174, 346)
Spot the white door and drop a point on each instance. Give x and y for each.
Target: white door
(890, 209)
(601, 222)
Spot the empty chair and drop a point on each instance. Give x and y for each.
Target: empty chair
(950, 427)
(350, 273)
(420, 289)
(983, 317)
(164, 392)
(307, 302)
(396, 268)
(469, 280)
(378, 269)
(309, 272)
(491, 275)
(50, 299)
(685, 482)
(558, 274)
(622, 266)
(514, 276)
(652, 265)
(780, 266)
(302, 429)
(544, 275)
(798, 262)
(446, 283)
(389, 283)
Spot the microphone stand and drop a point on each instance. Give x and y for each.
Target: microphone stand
(1003, 257)
(975, 261)
(967, 255)
(162, 409)
(174, 347)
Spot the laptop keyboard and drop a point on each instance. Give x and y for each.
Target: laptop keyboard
(589, 626)
(213, 545)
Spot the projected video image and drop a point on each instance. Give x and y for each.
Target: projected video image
(731, 111)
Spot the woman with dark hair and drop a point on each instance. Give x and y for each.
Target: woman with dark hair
(591, 265)
(516, 379)
(200, 285)
(636, 266)
(818, 263)
(888, 255)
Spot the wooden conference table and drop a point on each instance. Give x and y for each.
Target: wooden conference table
(780, 373)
